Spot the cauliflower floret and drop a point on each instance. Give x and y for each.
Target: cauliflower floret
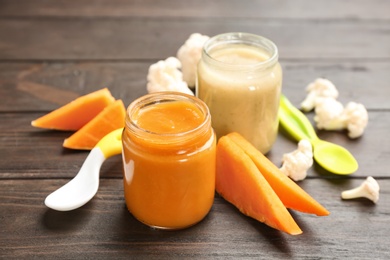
(166, 76)
(331, 115)
(328, 112)
(368, 189)
(320, 88)
(189, 55)
(296, 163)
(356, 119)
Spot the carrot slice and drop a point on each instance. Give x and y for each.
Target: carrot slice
(77, 113)
(240, 182)
(292, 196)
(110, 119)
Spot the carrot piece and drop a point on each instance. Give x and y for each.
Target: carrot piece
(77, 113)
(110, 119)
(292, 196)
(240, 182)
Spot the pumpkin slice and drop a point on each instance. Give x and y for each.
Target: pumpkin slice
(77, 113)
(292, 196)
(240, 182)
(110, 119)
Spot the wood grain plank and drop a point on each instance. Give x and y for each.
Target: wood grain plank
(282, 9)
(36, 86)
(27, 152)
(157, 38)
(104, 228)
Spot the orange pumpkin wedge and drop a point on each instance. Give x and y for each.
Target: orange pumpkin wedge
(110, 119)
(292, 196)
(76, 113)
(240, 182)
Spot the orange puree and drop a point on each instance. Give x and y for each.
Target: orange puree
(168, 118)
(169, 161)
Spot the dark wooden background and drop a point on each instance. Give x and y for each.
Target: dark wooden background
(53, 51)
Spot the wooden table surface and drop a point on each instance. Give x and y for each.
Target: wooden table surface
(54, 51)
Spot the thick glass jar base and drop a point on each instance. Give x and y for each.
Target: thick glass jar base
(166, 228)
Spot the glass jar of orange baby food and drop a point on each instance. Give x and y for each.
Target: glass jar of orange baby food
(240, 79)
(169, 150)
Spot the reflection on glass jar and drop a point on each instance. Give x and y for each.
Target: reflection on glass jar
(240, 79)
(169, 160)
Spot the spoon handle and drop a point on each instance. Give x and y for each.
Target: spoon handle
(74, 194)
(111, 144)
(295, 122)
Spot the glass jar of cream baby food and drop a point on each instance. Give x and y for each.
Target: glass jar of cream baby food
(169, 150)
(240, 79)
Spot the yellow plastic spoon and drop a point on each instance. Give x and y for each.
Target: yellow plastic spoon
(83, 187)
(330, 156)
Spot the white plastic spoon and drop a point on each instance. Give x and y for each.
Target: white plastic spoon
(85, 184)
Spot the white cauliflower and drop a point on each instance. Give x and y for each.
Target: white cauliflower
(328, 112)
(296, 163)
(331, 115)
(355, 117)
(368, 189)
(189, 55)
(166, 76)
(320, 88)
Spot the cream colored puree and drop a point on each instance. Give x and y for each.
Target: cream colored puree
(240, 101)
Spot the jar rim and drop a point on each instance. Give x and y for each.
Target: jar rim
(165, 96)
(243, 38)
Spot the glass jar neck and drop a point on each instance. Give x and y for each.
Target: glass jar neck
(230, 40)
(158, 141)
